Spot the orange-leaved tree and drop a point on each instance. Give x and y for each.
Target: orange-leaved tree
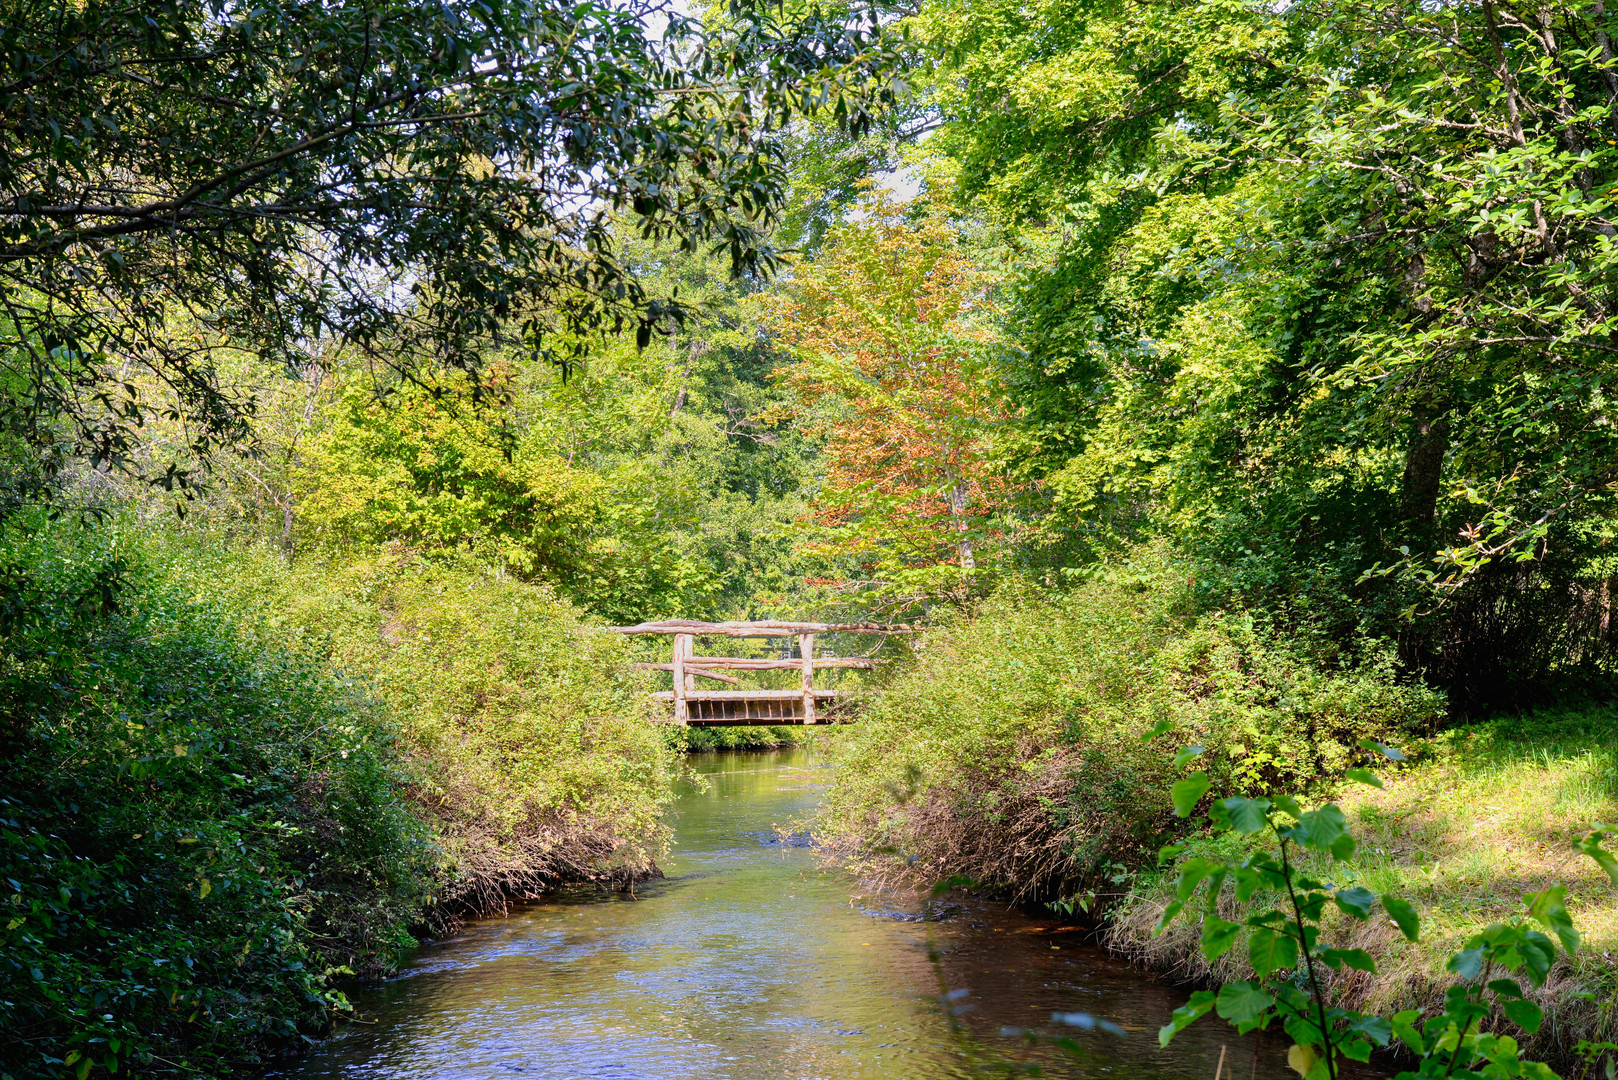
(893, 329)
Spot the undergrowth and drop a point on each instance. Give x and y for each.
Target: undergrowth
(1007, 749)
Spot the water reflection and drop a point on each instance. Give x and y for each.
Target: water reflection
(749, 963)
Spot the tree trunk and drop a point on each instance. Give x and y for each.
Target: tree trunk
(1424, 466)
(957, 513)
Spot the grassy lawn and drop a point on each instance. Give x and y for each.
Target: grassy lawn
(1484, 815)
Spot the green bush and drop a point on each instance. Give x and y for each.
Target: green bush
(1008, 747)
(530, 737)
(199, 825)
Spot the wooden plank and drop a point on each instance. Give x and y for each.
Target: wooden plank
(691, 670)
(806, 651)
(743, 663)
(745, 695)
(682, 643)
(762, 629)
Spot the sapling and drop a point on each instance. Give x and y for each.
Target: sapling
(1282, 902)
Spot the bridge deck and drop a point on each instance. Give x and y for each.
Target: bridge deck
(806, 704)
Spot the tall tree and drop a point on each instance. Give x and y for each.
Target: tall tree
(894, 330)
(397, 174)
(1335, 291)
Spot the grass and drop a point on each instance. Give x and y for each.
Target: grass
(1484, 815)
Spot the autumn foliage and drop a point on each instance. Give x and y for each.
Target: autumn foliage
(892, 330)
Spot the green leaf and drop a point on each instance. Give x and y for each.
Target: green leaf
(1403, 916)
(1375, 1028)
(1356, 902)
(1188, 792)
(1192, 873)
(1186, 1015)
(1173, 908)
(1268, 950)
(1358, 959)
(1364, 776)
(1550, 908)
(1389, 752)
(1524, 1013)
(1247, 815)
(1318, 829)
(1591, 845)
(1185, 754)
(1467, 963)
(1217, 937)
(1162, 727)
(1342, 848)
(1244, 1002)
(1404, 1026)
(1506, 988)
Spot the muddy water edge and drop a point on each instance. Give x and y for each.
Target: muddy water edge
(751, 961)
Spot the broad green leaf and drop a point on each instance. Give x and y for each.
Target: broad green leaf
(1524, 1013)
(1247, 815)
(1364, 776)
(1358, 959)
(1357, 902)
(1375, 1028)
(1186, 1015)
(1591, 845)
(1403, 916)
(1218, 936)
(1506, 988)
(1192, 873)
(1162, 727)
(1185, 754)
(1538, 954)
(1389, 752)
(1404, 1026)
(1269, 950)
(1550, 908)
(1466, 963)
(1244, 1002)
(1318, 829)
(1173, 908)
(1188, 792)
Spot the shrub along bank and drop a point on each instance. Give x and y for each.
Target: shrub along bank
(1015, 749)
(1009, 748)
(228, 782)
(199, 824)
(528, 733)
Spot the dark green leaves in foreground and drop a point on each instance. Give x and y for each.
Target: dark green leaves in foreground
(1279, 906)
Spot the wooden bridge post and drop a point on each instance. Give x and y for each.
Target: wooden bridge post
(806, 650)
(682, 649)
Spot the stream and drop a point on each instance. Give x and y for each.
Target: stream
(751, 961)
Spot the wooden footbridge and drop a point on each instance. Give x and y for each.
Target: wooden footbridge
(804, 704)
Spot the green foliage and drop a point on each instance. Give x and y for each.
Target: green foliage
(1329, 304)
(531, 739)
(200, 823)
(648, 482)
(1281, 901)
(1008, 747)
(295, 171)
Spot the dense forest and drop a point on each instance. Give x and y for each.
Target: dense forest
(1201, 373)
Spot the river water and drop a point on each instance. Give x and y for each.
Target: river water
(751, 961)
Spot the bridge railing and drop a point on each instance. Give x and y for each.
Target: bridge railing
(806, 704)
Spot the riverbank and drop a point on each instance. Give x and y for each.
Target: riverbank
(1015, 752)
(1484, 816)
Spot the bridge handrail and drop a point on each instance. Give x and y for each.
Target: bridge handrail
(764, 628)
